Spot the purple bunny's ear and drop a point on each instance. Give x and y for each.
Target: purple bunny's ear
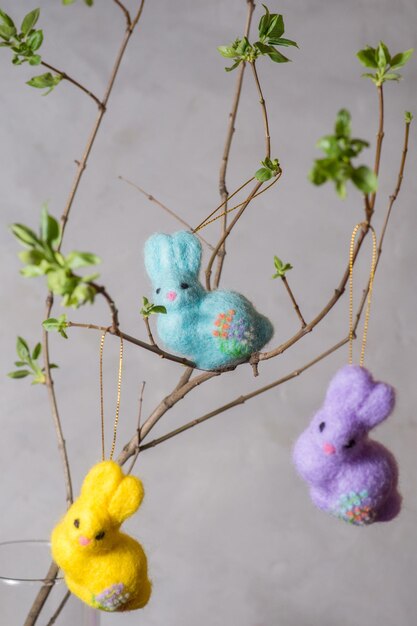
(378, 405)
(348, 388)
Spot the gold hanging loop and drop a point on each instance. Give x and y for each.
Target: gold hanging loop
(119, 389)
(370, 288)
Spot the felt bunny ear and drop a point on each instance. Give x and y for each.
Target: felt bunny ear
(127, 499)
(158, 255)
(378, 405)
(186, 249)
(348, 388)
(102, 480)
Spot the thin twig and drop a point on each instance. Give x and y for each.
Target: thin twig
(227, 233)
(392, 199)
(242, 399)
(379, 139)
(74, 82)
(148, 330)
(228, 143)
(59, 609)
(138, 342)
(294, 301)
(205, 221)
(264, 112)
(152, 198)
(112, 305)
(55, 413)
(138, 429)
(338, 292)
(167, 403)
(125, 11)
(42, 595)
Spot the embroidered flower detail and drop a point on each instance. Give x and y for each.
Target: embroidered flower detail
(111, 599)
(352, 509)
(234, 336)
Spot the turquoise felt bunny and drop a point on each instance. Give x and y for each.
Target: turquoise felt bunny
(214, 329)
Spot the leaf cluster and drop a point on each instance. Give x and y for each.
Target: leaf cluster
(148, 308)
(42, 258)
(340, 149)
(270, 30)
(380, 60)
(270, 168)
(57, 324)
(281, 268)
(28, 363)
(24, 43)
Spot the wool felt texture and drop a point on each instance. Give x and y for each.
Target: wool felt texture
(213, 329)
(104, 567)
(350, 475)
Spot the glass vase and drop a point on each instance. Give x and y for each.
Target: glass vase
(23, 567)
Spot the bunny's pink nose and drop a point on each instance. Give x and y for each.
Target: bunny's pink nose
(171, 295)
(329, 448)
(84, 541)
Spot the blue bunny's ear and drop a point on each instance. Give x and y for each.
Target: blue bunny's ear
(158, 255)
(186, 249)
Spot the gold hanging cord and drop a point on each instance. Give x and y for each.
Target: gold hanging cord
(370, 287)
(119, 388)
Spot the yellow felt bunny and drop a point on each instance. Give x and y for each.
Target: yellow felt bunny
(102, 566)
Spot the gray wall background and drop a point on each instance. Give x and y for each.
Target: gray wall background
(231, 535)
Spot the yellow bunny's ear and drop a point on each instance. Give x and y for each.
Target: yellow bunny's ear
(127, 499)
(102, 480)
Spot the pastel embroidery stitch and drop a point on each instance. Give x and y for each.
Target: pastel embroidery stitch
(214, 329)
(353, 509)
(111, 599)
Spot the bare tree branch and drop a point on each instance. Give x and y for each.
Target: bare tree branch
(227, 146)
(152, 198)
(294, 301)
(74, 82)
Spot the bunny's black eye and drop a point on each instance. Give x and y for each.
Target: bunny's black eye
(158, 290)
(100, 535)
(351, 443)
(77, 523)
(322, 426)
(184, 285)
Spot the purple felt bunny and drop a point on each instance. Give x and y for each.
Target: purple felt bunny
(350, 475)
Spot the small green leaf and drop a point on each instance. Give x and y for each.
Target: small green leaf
(227, 52)
(75, 259)
(19, 374)
(50, 229)
(58, 324)
(382, 55)
(281, 268)
(367, 57)
(6, 31)
(29, 21)
(400, 59)
(276, 26)
(281, 41)
(45, 81)
(365, 179)
(36, 351)
(342, 126)
(408, 117)
(31, 257)
(25, 235)
(7, 20)
(392, 76)
(263, 174)
(35, 40)
(234, 66)
(22, 349)
(158, 309)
